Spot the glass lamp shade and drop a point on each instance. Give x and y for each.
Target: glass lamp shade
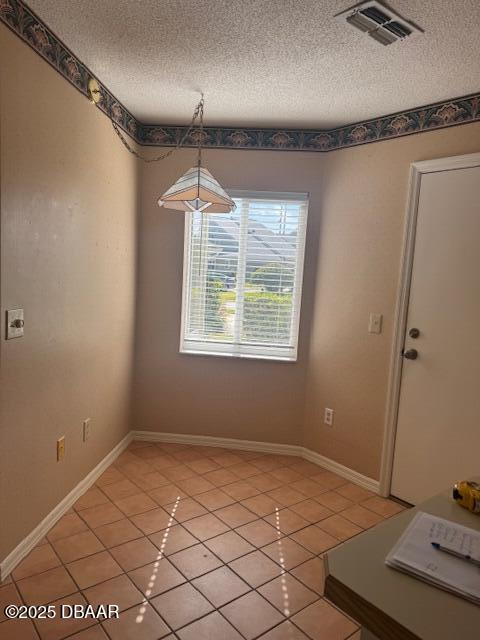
(197, 190)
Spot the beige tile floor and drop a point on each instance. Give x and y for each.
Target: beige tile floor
(196, 543)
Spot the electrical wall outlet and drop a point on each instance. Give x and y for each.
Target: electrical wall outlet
(86, 429)
(60, 448)
(328, 417)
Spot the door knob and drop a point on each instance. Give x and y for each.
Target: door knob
(411, 354)
(414, 333)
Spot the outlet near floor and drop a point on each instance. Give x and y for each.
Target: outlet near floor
(60, 448)
(328, 417)
(86, 429)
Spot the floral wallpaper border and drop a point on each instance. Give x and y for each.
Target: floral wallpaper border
(28, 26)
(21, 20)
(435, 116)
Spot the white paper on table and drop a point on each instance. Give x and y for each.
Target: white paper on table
(414, 554)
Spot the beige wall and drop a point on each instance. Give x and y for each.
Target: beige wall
(355, 231)
(68, 203)
(205, 395)
(363, 211)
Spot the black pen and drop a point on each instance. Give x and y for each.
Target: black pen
(468, 558)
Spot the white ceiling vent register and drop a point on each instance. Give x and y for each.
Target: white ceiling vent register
(379, 22)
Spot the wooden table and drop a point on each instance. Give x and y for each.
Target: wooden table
(392, 605)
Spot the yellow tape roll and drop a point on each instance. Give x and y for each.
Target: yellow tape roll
(467, 494)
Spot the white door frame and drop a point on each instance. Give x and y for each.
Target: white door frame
(417, 169)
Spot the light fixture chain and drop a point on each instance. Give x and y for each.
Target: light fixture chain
(198, 112)
(200, 134)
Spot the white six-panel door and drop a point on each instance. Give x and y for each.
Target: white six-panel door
(438, 426)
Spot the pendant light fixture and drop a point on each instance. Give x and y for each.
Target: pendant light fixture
(195, 190)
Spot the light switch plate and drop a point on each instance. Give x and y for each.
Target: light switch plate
(15, 322)
(375, 323)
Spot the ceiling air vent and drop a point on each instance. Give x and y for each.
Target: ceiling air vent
(379, 22)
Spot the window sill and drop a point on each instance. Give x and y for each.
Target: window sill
(239, 356)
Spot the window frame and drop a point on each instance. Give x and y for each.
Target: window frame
(232, 350)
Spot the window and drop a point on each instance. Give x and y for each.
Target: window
(243, 277)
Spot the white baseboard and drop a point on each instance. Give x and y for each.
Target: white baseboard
(27, 544)
(339, 469)
(210, 441)
(263, 447)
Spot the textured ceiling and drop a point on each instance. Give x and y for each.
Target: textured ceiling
(267, 63)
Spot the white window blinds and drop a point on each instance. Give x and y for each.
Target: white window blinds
(243, 277)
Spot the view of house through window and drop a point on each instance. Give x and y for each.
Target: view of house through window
(243, 277)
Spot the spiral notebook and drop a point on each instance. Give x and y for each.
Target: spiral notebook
(415, 555)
